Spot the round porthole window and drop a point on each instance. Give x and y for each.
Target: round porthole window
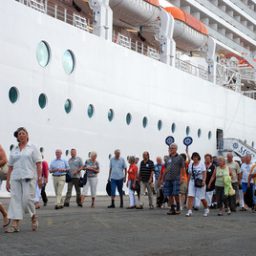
(13, 94)
(43, 54)
(11, 147)
(199, 133)
(90, 110)
(128, 119)
(145, 122)
(67, 152)
(253, 144)
(109, 156)
(68, 61)
(173, 127)
(68, 106)
(110, 115)
(159, 125)
(209, 135)
(41, 149)
(42, 100)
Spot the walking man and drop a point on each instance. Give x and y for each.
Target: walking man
(58, 168)
(174, 166)
(75, 165)
(117, 176)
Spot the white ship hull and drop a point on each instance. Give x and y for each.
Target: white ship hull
(107, 76)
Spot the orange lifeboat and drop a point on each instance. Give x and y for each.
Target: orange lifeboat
(189, 32)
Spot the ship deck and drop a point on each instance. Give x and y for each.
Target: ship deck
(102, 231)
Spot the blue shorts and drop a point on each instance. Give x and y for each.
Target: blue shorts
(171, 187)
(117, 184)
(245, 186)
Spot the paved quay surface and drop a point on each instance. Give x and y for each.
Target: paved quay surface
(84, 231)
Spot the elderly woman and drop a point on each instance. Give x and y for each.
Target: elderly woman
(92, 168)
(219, 175)
(131, 182)
(196, 187)
(3, 162)
(24, 171)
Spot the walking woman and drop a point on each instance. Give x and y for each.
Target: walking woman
(219, 174)
(3, 162)
(196, 187)
(131, 182)
(23, 174)
(92, 168)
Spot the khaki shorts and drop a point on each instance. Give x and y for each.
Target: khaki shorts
(183, 187)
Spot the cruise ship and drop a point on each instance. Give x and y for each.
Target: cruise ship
(98, 75)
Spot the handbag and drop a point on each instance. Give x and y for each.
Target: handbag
(3, 172)
(83, 180)
(108, 188)
(68, 177)
(198, 182)
(137, 187)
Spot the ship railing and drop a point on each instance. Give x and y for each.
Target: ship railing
(250, 94)
(186, 66)
(248, 74)
(59, 12)
(135, 45)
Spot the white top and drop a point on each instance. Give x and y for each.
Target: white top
(245, 169)
(24, 162)
(197, 169)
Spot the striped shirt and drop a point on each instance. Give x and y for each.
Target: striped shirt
(146, 168)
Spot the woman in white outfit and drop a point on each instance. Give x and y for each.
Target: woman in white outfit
(24, 171)
(196, 185)
(92, 168)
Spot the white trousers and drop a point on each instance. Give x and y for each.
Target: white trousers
(22, 199)
(92, 183)
(208, 197)
(131, 195)
(37, 194)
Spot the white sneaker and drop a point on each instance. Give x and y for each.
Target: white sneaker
(206, 212)
(189, 213)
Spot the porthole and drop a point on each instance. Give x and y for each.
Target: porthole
(68, 62)
(42, 100)
(90, 110)
(41, 149)
(209, 135)
(173, 127)
(128, 119)
(109, 156)
(68, 106)
(89, 154)
(159, 125)
(145, 122)
(253, 144)
(13, 94)
(43, 54)
(11, 147)
(187, 130)
(199, 133)
(110, 115)
(67, 152)
(245, 141)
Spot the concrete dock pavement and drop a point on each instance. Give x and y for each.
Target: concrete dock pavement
(78, 231)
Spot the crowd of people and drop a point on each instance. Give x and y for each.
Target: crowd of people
(178, 181)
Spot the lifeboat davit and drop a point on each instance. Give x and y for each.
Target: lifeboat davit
(134, 13)
(189, 33)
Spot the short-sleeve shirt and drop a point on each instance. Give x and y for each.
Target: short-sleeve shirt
(245, 169)
(59, 164)
(132, 172)
(75, 163)
(235, 168)
(95, 165)
(209, 172)
(157, 170)
(145, 170)
(117, 167)
(173, 166)
(197, 171)
(24, 162)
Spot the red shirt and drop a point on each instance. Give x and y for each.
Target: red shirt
(132, 172)
(45, 170)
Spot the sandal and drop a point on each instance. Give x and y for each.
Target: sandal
(12, 229)
(5, 226)
(35, 223)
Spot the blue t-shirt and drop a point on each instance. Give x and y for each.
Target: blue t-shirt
(117, 167)
(157, 170)
(59, 164)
